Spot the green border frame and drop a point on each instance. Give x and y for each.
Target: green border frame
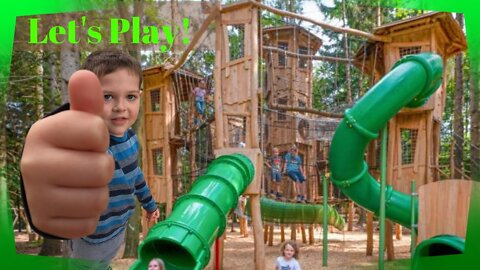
(10, 10)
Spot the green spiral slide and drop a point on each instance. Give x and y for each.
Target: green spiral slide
(183, 240)
(297, 213)
(410, 83)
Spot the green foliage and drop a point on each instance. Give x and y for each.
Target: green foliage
(269, 19)
(29, 90)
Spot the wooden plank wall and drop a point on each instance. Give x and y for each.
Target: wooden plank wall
(443, 208)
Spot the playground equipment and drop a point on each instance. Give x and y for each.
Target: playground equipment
(183, 240)
(295, 213)
(410, 83)
(422, 74)
(288, 52)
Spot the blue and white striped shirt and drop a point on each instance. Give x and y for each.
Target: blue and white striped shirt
(127, 181)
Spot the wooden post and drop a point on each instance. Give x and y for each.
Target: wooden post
(330, 190)
(369, 233)
(282, 233)
(293, 232)
(311, 236)
(389, 240)
(270, 235)
(398, 231)
(351, 211)
(304, 235)
(257, 232)
(265, 233)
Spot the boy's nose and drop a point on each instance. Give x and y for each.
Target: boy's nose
(119, 106)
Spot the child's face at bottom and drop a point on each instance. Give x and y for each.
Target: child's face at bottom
(288, 252)
(153, 265)
(122, 100)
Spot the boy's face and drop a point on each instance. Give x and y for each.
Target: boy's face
(122, 100)
(275, 152)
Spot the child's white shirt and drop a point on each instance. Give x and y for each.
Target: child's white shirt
(291, 264)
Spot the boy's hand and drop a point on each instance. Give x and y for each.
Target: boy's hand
(152, 216)
(65, 166)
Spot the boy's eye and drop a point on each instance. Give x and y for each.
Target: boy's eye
(131, 97)
(107, 97)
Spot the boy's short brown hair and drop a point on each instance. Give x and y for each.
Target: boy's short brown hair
(106, 61)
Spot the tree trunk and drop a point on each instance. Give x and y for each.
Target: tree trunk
(51, 247)
(53, 75)
(475, 121)
(123, 10)
(69, 61)
(458, 136)
(378, 15)
(39, 85)
(347, 54)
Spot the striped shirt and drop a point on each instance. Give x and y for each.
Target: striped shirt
(127, 181)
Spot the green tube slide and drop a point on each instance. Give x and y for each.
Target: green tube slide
(437, 246)
(297, 213)
(183, 240)
(410, 83)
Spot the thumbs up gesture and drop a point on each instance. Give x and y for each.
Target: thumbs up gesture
(65, 167)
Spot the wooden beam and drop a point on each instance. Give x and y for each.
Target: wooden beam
(195, 127)
(324, 25)
(306, 110)
(369, 233)
(304, 235)
(309, 56)
(398, 231)
(351, 212)
(389, 240)
(213, 15)
(270, 235)
(265, 232)
(311, 235)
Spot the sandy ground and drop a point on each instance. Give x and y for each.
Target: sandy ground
(346, 250)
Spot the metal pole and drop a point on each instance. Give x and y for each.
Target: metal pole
(383, 179)
(325, 221)
(414, 225)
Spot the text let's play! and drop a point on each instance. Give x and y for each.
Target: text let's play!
(75, 32)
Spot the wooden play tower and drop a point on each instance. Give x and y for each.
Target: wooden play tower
(162, 128)
(414, 134)
(288, 82)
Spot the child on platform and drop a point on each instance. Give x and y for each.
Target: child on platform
(274, 163)
(293, 168)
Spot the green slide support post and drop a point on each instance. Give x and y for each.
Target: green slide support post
(184, 239)
(410, 83)
(297, 213)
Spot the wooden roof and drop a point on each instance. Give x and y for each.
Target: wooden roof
(451, 39)
(289, 30)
